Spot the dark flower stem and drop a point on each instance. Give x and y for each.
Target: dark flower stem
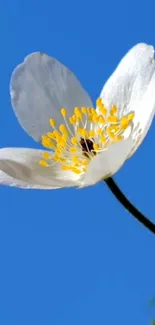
(128, 205)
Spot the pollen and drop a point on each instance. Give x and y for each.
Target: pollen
(78, 113)
(52, 122)
(63, 112)
(84, 110)
(46, 155)
(72, 119)
(124, 122)
(130, 116)
(74, 140)
(72, 150)
(101, 119)
(92, 133)
(75, 160)
(43, 163)
(96, 147)
(112, 119)
(113, 110)
(83, 135)
(63, 129)
(50, 135)
(103, 139)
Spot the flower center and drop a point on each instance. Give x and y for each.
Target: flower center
(83, 135)
(87, 146)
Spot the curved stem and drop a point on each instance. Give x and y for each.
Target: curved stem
(128, 205)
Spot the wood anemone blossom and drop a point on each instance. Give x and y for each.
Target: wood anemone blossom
(83, 144)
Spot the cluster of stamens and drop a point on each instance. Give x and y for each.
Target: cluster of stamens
(84, 134)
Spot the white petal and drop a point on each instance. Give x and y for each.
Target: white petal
(107, 163)
(132, 88)
(7, 180)
(20, 167)
(144, 116)
(40, 87)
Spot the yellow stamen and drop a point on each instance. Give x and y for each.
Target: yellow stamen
(84, 110)
(84, 133)
(102, 139)
(56, 158)
(93, 111)
(99, 102)
(114, 110)
(101, 119)
(114, 128)
(103, 110)
(99, 131)
(119, 138)
(62, 143)
(77, 113)
(96, 146)
(65, 136)
(112, 119)
(43, 163)
(52, 122)
(124, 122)
(71, 168)
(75, 159)
(47, 143)
(50, 135)
(46, 155)
(85, 162)
(91, 133)
(44, 138)
(73, 140)
(90, 117)
(58, 151)
(63, 112)
(111, 134)
(57, 135)
(95, 118)
(130, 117)
(72, 149)
(63, 129)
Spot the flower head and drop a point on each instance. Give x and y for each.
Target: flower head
(83, 144)
(83, 135)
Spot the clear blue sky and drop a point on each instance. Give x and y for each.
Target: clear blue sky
(71, 257)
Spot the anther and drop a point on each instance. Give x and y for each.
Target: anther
(96, 146)
(63, 129)
(124, 122)
(72, 149)
(43, 163)
(52, 122)
(72, 119)
(74, 140)
(84, 110)
(63, 112)
(114, 110)
(77, 113)
(112, 119)
(46, 155)
(50, 135)
(91, 133)
(131, 116)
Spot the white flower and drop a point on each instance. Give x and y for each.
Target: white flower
(84, 145)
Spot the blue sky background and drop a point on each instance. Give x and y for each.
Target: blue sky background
(71, 257)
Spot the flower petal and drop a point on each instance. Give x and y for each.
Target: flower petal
(107, 163)
(20, 168)
(40, 87)
(7, 180)
(144, 116)
(131, 88)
